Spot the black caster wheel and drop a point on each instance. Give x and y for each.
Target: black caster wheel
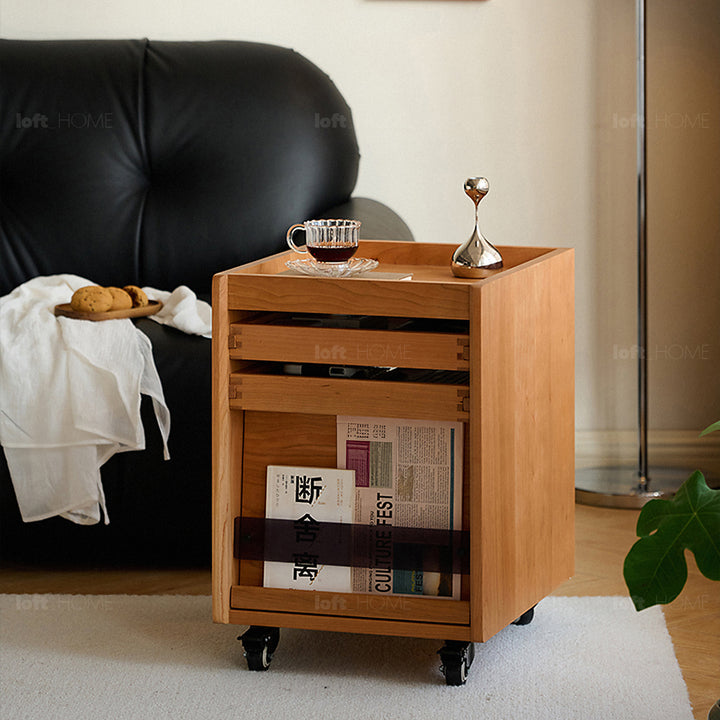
(259, 644)
(457, 656)
(526, 617)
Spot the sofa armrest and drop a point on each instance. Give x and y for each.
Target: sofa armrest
(379, 222)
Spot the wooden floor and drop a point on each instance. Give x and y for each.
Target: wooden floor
(603, 537)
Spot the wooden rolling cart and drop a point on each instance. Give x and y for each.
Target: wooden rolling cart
(513, 332)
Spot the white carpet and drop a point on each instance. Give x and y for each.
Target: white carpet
(131, 657)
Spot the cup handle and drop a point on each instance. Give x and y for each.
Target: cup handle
(290, 242)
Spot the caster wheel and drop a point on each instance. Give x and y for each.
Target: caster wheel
(259, 644)
(457, 657)
(526, 617)
(258, 660)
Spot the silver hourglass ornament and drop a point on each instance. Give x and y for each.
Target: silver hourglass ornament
(477, 255)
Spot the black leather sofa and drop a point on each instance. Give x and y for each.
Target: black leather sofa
(161, 163)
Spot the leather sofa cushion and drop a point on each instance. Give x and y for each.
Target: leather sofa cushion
(137, 161)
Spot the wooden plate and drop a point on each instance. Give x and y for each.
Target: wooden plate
(65, 309)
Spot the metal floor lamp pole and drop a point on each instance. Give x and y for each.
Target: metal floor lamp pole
(622, 486)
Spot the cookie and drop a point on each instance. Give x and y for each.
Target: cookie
(139, 298)
(91, 298)
(121, 299)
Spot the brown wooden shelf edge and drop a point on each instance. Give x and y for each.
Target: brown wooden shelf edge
(370, 606)
(345, 396)
(339, 623)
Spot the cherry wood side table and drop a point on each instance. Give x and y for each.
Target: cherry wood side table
(513, 332)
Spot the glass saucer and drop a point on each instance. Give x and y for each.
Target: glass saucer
(354, 266)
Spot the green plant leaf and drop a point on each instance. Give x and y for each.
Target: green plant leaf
(712, 428)
(655, 569)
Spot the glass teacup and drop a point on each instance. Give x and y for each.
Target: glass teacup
(327, 241)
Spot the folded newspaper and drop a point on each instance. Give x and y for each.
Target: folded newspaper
(392, 473)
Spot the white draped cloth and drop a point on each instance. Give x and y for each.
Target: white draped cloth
(182, 310)
(70, 394)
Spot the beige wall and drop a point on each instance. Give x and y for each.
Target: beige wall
(539, 97)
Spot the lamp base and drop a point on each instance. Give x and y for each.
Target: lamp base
(620, 487)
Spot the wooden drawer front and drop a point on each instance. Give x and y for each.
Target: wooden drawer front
(283, 293)
(440, 351)
(327, 396)
(387, 607)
